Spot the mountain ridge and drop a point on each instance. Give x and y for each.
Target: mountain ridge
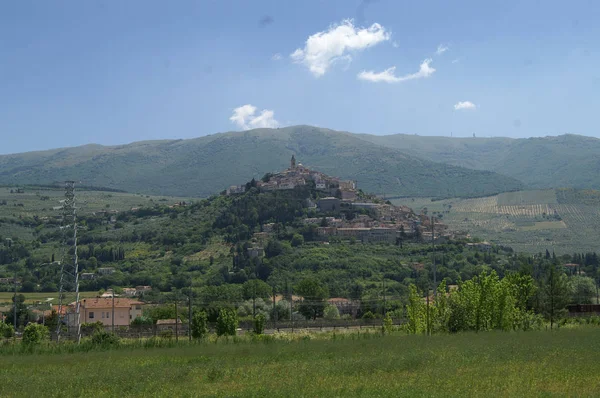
(205, 165)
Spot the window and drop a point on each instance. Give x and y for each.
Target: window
(102, 314)
(91, 315)
(138, 307)
(107, 315)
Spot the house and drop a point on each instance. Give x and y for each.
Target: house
(102, 310)
(320, 184)
(256, 252)
(329, 204)
(86, 276)
(348, 195)
(344, 305)
(167, 324)
(235, 189)
(347, 185)
(357, 233)
(142, 289)
(106, 270)
(268, 227)
(129, 291)
(382, 235)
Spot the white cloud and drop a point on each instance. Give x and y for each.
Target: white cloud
(245, 117)
(323, 49)
(276, 57)
(441, 49)
(455, 61)
(388, 76)
(464, 105)
(395, 44)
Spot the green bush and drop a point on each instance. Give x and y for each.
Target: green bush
(91, 327)
(227, 322)
(259, 324)
(7, 331)
(388, 324)
(331, 312)
(199, 326)
(34, 334)
(104, 338)
(368, 315)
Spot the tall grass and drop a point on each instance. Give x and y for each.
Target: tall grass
(486, 364)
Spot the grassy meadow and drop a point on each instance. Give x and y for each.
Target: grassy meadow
(563, 220)
(559, 363)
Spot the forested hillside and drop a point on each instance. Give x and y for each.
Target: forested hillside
(570, 161)
(203, 166)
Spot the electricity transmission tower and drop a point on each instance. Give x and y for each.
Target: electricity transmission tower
(69, 267)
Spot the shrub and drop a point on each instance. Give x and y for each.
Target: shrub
(259, 324)
(34, 334)
(199, 326)
(331, 312)
(91, 327)
(7, 331)
(368, 315)
(227, 322)
(388, 324)
(104, 338)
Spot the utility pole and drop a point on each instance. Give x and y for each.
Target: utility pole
(434, 265)
(384, 297)
(274, 310)
(427, 331)
(291, 308)
(15, 303)
(113, 311)
(176, 321)
(190, 314)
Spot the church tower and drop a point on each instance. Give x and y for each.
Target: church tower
(293, 162)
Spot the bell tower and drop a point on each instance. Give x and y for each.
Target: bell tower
(293, 162)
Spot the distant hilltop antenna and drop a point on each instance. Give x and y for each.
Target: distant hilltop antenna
(69, 268)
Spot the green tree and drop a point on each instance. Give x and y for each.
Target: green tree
(297, 240)
(259, 324)
(415, 311)
(314, 295)
(34, 334)
(23, 313)
(227, 322)
(388, 324)
(554, 294)
(199, 326)
(582, 289)
(331, 312)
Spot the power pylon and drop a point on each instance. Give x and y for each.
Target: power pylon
(69, 268)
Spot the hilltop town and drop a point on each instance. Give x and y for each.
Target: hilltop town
(371, 219)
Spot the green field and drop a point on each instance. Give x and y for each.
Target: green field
(560, 363)
(563, 220)
(31, 298)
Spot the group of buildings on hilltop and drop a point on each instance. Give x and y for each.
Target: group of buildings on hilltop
(297, 176)
(384, 222)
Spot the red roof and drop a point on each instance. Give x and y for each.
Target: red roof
(108, 303)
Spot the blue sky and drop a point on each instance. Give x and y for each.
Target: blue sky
(110, 72)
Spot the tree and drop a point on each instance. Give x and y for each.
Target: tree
(331, 312)
(34, 334)
(297, 240)
(314, 295)
(199, 325)
(582, 289)
(227, 322)
(259, 324)
(23, 312)
(415, 311)
(554, 294)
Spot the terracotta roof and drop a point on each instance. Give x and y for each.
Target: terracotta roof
(108, 303)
